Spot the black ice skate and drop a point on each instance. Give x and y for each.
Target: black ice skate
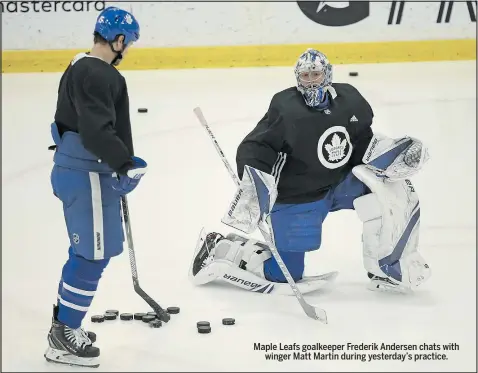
(91, 335)
(203, 256)
(71, 346)
(384, 284)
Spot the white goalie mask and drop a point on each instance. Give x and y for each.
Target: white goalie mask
(313, 73)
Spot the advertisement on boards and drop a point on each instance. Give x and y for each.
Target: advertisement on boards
(337, 13)
(68, 24)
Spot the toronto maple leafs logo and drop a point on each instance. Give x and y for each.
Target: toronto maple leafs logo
(128, 19)
(334, 148)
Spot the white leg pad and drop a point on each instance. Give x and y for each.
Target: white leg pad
(240, 262)
(391, 217)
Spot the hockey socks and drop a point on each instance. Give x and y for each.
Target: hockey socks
(80, 278)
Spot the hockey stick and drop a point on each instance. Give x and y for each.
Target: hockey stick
(162, 314)
(264, 226)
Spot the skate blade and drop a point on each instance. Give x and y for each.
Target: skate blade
(381, 286)
(63, 357)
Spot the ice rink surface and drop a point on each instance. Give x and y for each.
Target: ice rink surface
(187, 188)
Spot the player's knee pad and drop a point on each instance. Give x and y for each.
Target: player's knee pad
(92, 212)
(298, 228)
(240, 262)
(78, 284)
(391, 220)
(83, 272)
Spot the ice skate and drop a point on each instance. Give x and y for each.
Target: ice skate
(91, 335)
(71, 346)
(384, 284)
(206, 253)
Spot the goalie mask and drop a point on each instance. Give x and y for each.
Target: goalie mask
(313, 72)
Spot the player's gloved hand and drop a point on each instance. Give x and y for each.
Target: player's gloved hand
(127, 183)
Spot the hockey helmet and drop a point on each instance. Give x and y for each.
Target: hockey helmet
(313, 73)
(113, 22)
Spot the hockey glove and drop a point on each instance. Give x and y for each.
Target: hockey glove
(127, 183)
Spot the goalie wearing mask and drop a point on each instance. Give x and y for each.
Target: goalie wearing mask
(314, 153)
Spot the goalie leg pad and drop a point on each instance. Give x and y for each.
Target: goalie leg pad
(240, 262)
(215, 253)
(391, 217)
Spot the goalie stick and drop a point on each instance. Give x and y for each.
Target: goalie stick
(264, 226)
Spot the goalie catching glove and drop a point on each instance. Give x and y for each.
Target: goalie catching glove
(395, 159)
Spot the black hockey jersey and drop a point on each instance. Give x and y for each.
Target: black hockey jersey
(93, 101)
(305, 149)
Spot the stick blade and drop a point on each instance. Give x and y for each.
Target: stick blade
(160, 312)
(321, 315)
(316, 313)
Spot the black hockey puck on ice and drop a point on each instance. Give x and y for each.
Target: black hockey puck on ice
(203, 323)
(139, 316)
(152, 313)
(173, 310)
(155, 323)
(97, 318)
(353, 73)
(142, 110)
(126, 316)
(228, 321)
(116, 312)
(110, 316)
(148, 318)
(204, 329)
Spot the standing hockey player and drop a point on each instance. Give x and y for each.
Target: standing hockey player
(94, 165)
(312, 153)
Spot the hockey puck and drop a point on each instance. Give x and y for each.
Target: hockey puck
(353, 73)
(142, 110)
(148, 318)
(155, 323)
(116, 312)
(204, 329)
(228, 321)
(139, 316)
(152, 314)
(97, 318)
(173, 310)
(203, 323)
(110, 316)
(126, 316)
